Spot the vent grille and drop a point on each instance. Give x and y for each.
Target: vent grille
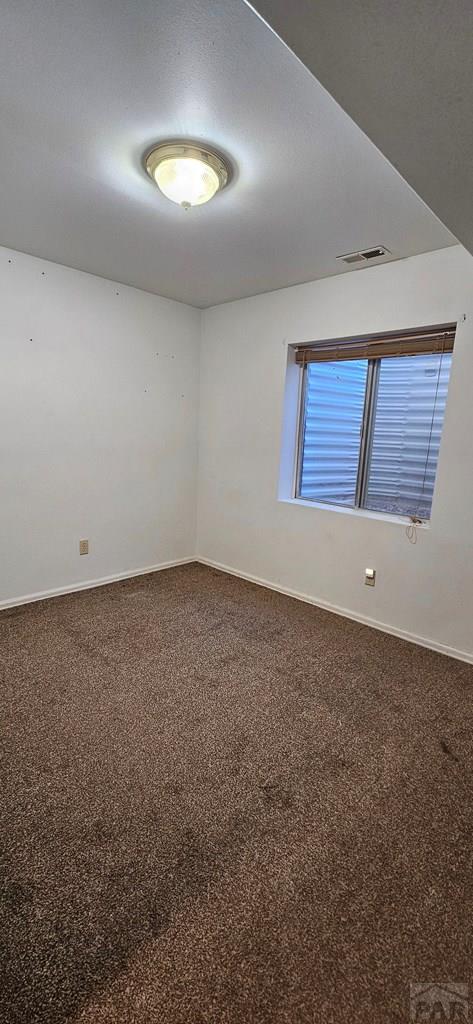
(377, 252)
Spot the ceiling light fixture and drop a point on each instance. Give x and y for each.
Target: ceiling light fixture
(187, 173)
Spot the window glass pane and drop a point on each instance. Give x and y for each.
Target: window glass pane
(410, 405)
(334, 403)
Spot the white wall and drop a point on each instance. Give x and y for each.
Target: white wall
(98, 425)
(99, 396)
(424, 590)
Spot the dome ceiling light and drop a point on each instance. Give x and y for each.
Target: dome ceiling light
(187, 173)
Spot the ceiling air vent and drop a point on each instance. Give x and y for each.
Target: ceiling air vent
(378, 252)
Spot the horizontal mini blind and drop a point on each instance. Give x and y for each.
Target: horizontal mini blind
(410, 407)
(425, 341)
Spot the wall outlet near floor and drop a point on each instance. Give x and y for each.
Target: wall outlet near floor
(83, 547)
(370, 577)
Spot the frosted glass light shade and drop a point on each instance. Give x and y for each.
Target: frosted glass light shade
(186, 174)
(186, 181)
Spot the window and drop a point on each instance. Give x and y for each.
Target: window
(371, 420)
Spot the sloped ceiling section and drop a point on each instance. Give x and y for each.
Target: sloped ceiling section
(87, 87)
(404, 73)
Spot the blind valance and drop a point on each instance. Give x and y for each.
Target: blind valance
(422, 341)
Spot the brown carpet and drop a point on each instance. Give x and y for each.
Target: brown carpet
(221, 805)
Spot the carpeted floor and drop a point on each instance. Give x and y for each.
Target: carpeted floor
(223, 806)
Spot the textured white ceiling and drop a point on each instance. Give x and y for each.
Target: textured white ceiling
(404, 72)
(86, 87)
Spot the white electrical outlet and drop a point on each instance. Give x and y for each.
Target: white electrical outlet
(370, 577)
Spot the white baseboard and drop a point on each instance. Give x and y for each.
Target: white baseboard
(422, 641)
(72, 588)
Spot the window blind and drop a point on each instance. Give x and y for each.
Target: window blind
(405, 441)
(424, 341)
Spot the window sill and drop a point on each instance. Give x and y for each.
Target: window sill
(365, 513)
